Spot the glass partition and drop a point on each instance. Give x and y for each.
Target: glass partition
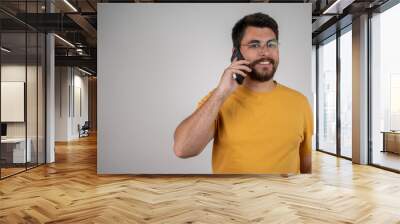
(22, 78)
(14, 153)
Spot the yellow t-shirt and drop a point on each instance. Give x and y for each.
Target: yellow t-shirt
(260, 132)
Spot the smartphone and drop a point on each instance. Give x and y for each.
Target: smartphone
(236, 54)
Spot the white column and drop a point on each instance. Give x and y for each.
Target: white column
(50, 91)
(360, 90)
(50, 100)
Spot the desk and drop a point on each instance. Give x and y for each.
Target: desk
(13, 150)
(391, 141)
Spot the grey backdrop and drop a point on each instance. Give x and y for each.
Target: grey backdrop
(156, 61)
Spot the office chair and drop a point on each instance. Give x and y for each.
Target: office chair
(84, 130)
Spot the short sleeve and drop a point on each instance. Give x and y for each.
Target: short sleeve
(306, 145)
(204, 99)
(308, 128)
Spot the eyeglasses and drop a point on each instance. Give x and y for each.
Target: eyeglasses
(257, 46)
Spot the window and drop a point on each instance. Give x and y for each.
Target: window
(385, 89)
(327, 96)
(346, 94)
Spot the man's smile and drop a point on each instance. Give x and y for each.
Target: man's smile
(263, 63)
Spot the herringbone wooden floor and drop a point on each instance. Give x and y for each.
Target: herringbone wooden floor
(69, 191)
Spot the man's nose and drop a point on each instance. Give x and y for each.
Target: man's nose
(263, 51)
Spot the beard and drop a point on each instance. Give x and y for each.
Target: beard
(264, 75)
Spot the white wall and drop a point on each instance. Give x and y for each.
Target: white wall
(62, 80)
(80, 83)
(18, 73)
(156, 61)
(67, 80)
(33, 126)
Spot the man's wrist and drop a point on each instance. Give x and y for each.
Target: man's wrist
(220, 94)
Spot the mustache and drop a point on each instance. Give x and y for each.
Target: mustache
(252, 64)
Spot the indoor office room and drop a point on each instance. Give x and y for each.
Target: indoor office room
(22, 101)
(158, 111)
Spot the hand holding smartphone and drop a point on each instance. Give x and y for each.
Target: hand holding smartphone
(236, 54)
(237, 70)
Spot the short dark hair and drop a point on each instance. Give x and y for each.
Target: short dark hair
(259, 19)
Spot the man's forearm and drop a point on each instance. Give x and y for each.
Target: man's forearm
(194, 133)
(306, 163)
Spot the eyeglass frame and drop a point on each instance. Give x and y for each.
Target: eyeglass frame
(252, 42)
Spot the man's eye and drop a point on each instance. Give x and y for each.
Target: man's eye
(255, 45)
(272, 44)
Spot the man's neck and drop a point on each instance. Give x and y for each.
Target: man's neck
(257, 86)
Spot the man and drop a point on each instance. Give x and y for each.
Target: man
(260, 126)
